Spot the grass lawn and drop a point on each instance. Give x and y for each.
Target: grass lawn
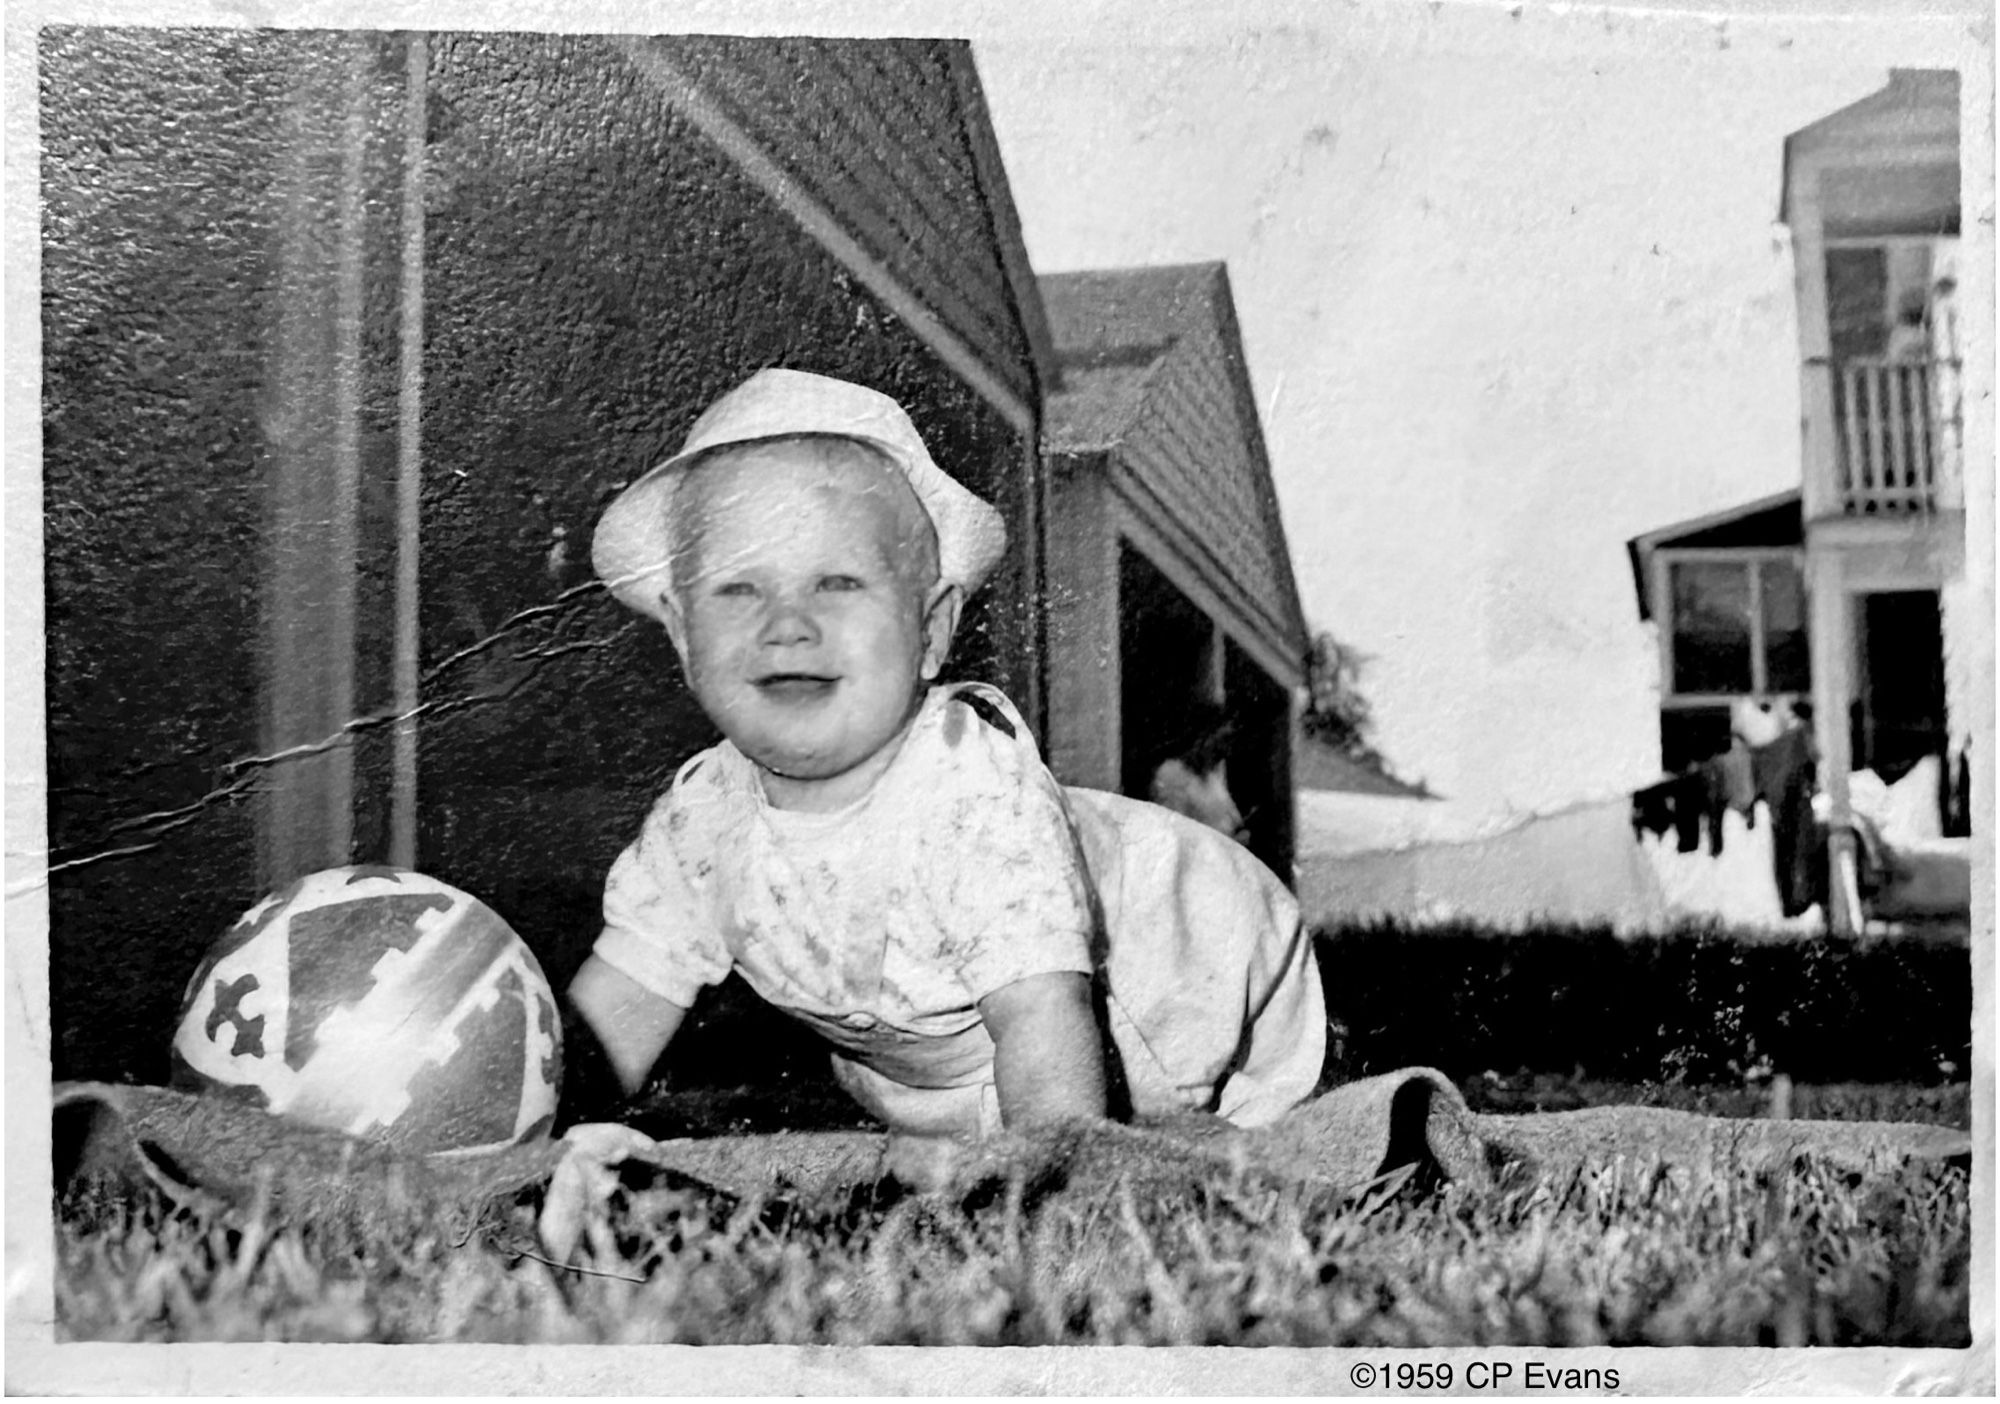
(1073, 1250)
(1077, 1247)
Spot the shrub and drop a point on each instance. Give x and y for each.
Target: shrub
(1697, 1004)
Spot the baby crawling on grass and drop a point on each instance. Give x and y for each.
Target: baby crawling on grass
(885, 858)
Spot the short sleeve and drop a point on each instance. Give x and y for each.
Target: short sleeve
(657, 929)
(1007, 872)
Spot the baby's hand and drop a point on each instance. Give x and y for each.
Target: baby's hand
(583, 1182)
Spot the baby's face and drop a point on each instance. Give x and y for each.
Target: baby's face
(803, 622)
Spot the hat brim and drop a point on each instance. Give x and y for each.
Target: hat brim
(631, 548)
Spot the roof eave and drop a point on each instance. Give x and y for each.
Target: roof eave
(1639, 549)
(1232, 329)
(1836, 125)
(991, 171)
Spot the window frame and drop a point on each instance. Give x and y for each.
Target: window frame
(1753, 558)
(1934, 246)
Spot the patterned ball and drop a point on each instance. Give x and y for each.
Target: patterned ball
(378, 1002)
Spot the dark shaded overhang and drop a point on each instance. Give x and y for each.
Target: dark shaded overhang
(1771, 523)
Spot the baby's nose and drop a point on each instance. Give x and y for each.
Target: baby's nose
(789, 620)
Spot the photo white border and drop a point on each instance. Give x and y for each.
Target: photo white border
(1959, 33)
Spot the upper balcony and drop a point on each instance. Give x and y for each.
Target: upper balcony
(1894, 436)
(1871, 195)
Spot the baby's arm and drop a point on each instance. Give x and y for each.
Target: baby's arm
(1004, 866)
(656, 952)
(1048, 1060)
(633, 1025)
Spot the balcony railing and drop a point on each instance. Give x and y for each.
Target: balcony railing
(1895, 435)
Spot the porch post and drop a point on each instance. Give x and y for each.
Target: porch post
(1821, 496)
(1085, 727)
(1284, 750)
(1833, 689)
(1214, 663)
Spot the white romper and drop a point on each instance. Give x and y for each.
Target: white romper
(965, 868)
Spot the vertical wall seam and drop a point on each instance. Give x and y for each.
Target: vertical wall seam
(409, 459)
(277, 421)
(343, 544)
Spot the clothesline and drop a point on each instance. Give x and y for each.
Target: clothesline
(1782, 774)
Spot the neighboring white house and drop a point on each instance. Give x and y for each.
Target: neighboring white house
(1169, 580)
(1846, 596)
(1871, 195)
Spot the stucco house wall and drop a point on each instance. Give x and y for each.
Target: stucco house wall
(344, 356)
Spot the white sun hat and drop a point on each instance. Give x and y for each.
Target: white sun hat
(630, 549)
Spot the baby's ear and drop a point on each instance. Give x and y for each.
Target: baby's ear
(941, 610)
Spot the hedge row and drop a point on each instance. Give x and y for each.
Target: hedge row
(1698, 1005)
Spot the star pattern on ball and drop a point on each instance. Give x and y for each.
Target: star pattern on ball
(381, 1003)
(229, 1010)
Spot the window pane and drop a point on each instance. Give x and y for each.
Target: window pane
(1787, 655)
(1711, 626)
(1690, 735)
(1857, 301)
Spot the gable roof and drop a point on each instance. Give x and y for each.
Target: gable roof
(1917, 105)
(1112, 329)
(1776, 521)
(1154, 382)
(1318, 766)
(890, 140)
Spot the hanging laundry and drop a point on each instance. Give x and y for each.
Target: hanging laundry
(1739, 781)
(1758, 723)
(1653, 809)
(1957, 821)
(1694, 801)
(1783, 772)
(1715, 802)
(1690, 803)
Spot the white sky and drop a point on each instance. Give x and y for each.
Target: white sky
(1512, 291)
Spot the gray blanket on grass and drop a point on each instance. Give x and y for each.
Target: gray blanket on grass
(224, 1154)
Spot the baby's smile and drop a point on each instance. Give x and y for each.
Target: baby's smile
(795, 687)
(804, 622)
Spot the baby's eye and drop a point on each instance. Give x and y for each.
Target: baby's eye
(735, 589)
(840, 582)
